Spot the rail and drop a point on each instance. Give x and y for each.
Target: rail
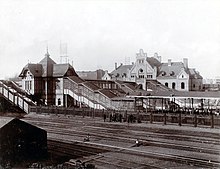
(15, 97)
(91, 98)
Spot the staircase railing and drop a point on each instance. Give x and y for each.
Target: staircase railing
(88, 98)
(15, 97)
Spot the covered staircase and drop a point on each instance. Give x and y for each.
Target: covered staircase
(87, 93)
(16, 96)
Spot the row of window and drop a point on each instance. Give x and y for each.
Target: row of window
(182, 85)
(142, 76)
(28, 85)
(141, 61)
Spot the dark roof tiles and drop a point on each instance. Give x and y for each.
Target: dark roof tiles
(91, 86)
(153, 62)
(76, 79)
(48, 68)
(172, 70)
(35, 69)
(121, 70)
(108, 93)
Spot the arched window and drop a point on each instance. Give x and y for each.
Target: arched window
(166, 84)
(173, 85)
(124, 75)
(59, 102)
(182, 85)
(141, 70)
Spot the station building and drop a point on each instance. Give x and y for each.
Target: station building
(44, 79)
(175, 75)
(49, 83)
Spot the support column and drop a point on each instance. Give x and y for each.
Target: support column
(165, 118)
(151, 116)
(180, 118)
(212, 119)
(146, 109)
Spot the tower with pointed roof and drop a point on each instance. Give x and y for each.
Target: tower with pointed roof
(41, 80)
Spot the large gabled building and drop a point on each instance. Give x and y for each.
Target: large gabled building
(43, 80)
(178, 76)
(175, 75)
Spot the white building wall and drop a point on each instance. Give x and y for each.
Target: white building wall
(28, 83)
(59, 92)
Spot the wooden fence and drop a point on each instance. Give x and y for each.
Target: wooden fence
(179, 118)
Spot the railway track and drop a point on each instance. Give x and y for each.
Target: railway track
(74, 149)
(111, 132)
(62, 123)
(100, 133)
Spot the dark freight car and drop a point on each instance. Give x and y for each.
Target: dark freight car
(21, 141)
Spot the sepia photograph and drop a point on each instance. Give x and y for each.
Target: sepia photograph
(109, 84)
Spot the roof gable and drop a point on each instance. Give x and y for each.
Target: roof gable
(35, 69)
(60, 70)
(4, 121)
(47, 60)
(47, 64)
(183, 74)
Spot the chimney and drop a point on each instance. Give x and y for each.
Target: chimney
(157, 57)
(185, 62)
(169, 62)
(116, 66)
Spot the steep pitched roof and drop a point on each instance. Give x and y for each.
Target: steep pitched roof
(170, 71)
(194, 74)
(4, 121)
(153, 62)
(47, 64)
(35, 69)
(47, 60)
(121, 70)
(60, 70)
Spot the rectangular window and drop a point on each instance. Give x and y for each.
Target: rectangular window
(26, 85)
(30, 87)
(149, 76)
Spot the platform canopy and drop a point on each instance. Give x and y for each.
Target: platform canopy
(177, 94)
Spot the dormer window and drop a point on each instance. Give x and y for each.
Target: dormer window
(171, 73)
(163, 73)
(124, 75)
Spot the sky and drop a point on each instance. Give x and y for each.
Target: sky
(100, 33)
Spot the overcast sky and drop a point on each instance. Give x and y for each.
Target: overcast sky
(100, 33)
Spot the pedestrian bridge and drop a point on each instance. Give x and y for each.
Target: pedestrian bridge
(12, 93)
